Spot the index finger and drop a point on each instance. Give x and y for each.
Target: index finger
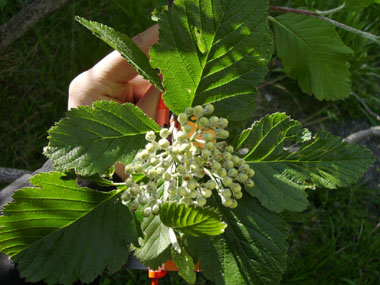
(115, 68)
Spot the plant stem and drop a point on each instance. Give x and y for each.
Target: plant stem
(316, 15)
(332, 11)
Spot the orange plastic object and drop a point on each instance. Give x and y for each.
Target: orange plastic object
(192, 124)
(170, 266)
(162, 118)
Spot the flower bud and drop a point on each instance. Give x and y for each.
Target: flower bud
(134, 190)
(209, 145)
(227, 181)
(236, 160)
(222, 172)
(153, 161)
(182, 191)
(226, 193)
(125, 197)
(251, 172)
(143, 199)
(213, 121)
(242, 177)
(134, 205)
(181, 169)
(208, 109)
(155, 209)
(143, 155)
(163, 143)
(238, 195)
(228, 164)
(128, 169)
(191, 184)
(150, 147)
(181, 136)
(164, 133)
(250, 183)
(229, 149)
(147, 212)
(150, 136)
(152, 173)
(223, 123)
(211, 184)
(206, 193)
(235, 187)
(216, 166)
(129, 182)
(166, 176)
(182, 118)
(198, 111)
(138, 167)
(203, 121)
(227, 155)
(201, 201)
(189, 111)
(187, 128)
(234, 204)
(208, 136)
(232, 172)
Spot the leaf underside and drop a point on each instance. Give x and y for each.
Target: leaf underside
(126, 47)
(251, 251)
(61, 232)
(211, 50)
(191, 219)
(312, 52)
(90, 140)
(285, 169)
(154, 247)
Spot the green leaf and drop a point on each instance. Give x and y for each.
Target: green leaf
(357, 5)
(155, 247)
(126, 47)
(185, 264)
(312, 52)
(60, 232)
(90, 140)
(202, 249)
(191, 219)
(251, 251)
(284, 169)
(212, 50)
(237, 108)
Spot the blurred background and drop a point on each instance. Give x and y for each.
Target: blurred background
(336, 241)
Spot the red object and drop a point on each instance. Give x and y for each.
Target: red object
(162, 113)
(156, 275)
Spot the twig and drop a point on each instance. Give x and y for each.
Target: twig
(366, 106)
(26, 18)
(316, 15)
(371, 132)
(8, 175)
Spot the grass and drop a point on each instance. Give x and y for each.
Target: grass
(336, 241)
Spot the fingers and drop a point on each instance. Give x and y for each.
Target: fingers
(148, 103)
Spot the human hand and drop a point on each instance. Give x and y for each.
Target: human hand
(113, 78)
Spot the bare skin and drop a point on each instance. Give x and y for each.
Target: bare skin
(113, 78)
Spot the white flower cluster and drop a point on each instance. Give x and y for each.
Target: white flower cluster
(191, 162)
